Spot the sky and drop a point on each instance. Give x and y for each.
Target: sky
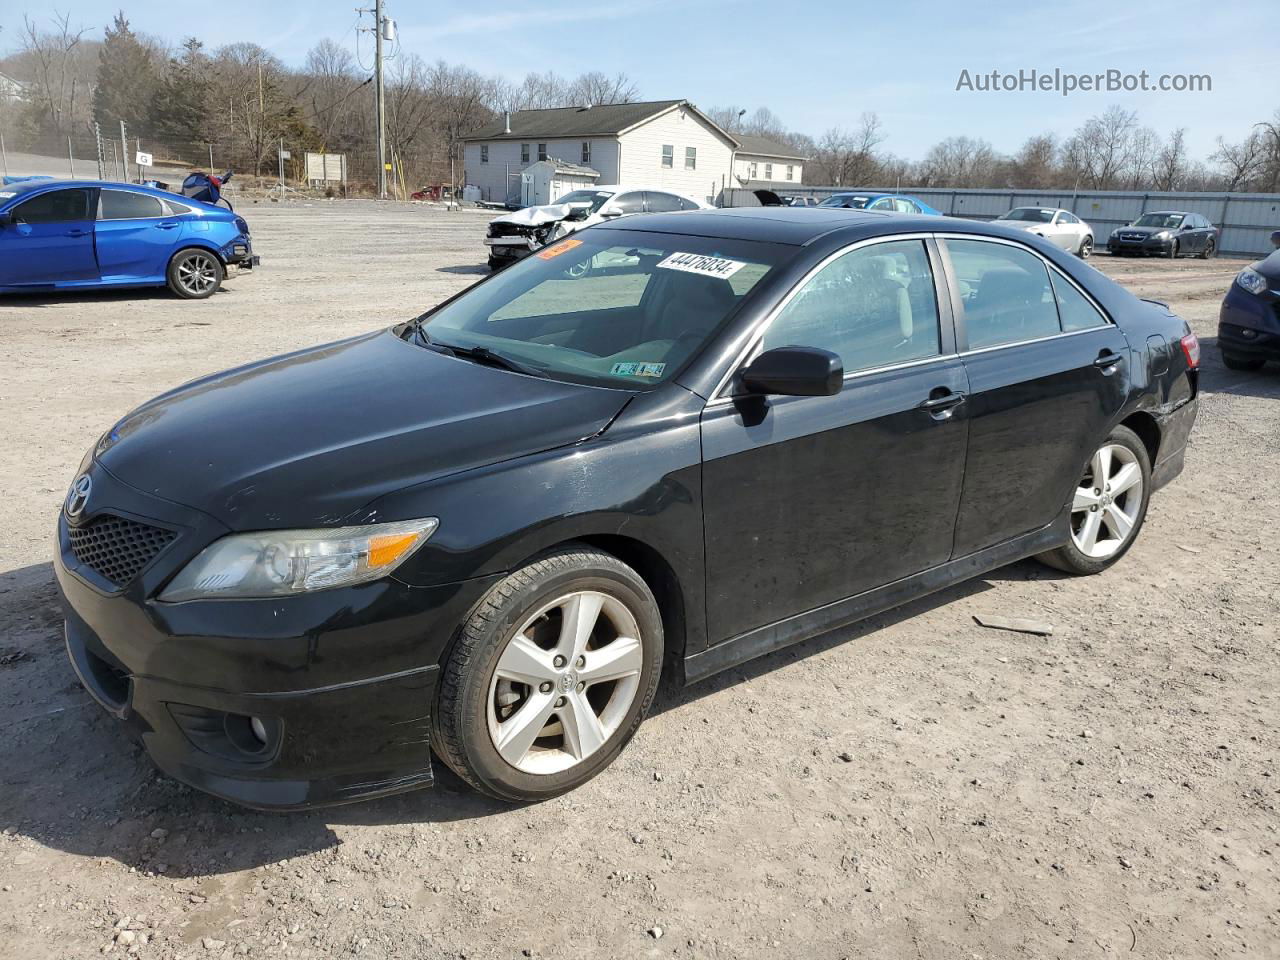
(815, 63)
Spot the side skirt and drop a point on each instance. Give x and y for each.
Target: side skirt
(803, 626)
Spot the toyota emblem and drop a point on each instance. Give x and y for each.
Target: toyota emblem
(78, 495)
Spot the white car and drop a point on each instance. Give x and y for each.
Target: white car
(515, 235)
(1058, 226)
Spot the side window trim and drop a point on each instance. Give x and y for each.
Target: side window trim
(946, 314)
(962, 339)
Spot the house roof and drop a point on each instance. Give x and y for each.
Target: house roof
(766, 147)
(573, 169)
(601, 120)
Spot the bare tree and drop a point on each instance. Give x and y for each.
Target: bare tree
(1102, 149)
(1241, 162)
(595, 88)
(59, 93)
(1169, 171)
(1036, 163)
(848, 157)
(960, 162)
(332, 81)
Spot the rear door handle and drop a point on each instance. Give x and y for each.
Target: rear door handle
(166, 225)
(77, 233)
(1108, 360)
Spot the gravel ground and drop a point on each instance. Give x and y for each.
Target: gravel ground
(915, 786)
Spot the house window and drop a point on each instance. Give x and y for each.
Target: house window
(586, 151)
(751, 171)
(524, 153)
(542, 151)
(691, 158)
(668, 155)
(768, 171)
(790, 170)
(484, 153)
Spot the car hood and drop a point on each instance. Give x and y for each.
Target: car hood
(1022, 224)
(535, 216)
(307, 439)
(1269, 266)
(1145, 231)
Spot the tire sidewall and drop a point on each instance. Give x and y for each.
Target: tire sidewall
(178, 258)
(472, 710)
(1076, 561)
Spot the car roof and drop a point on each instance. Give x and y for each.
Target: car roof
(1166, 213)
(32, 186)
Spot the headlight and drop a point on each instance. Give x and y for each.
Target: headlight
(1162, 235)
(1252, 280)
(282, 562)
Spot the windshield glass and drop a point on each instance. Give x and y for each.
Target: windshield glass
(595, 198)
(1159, 220)
(619, 309)
(845, 200)
(1032, 214)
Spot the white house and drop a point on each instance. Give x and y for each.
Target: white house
(662, 143)
(760, 160)
(10, 89)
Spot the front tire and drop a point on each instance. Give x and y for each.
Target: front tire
(1172, 254)
(1108, 507)
(550, 676)
(1086, 248)
(195, 274)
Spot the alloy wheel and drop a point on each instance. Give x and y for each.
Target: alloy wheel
(197, 274)
(1086, 248)
(1107, 503)
(564, 682)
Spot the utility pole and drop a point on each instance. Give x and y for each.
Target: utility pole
(379, 96)
(124, 151)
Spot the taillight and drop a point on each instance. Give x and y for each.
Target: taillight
(1191, 350)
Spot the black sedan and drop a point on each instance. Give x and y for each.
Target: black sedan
(1249, 321)
(1169, 233)
(666, 444)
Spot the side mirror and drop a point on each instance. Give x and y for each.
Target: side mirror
(795, 372)
(610, 212)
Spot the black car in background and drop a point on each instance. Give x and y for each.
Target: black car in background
(1167, 233)
(666, 444)
(1249, 321)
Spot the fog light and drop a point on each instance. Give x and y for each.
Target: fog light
(259, 729)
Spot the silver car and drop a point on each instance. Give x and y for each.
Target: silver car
(1058, 226)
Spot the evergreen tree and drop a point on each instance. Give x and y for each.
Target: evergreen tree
(126, 79)
(178, 105)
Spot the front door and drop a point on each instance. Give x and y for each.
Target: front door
(1048, 373)
(49, 240)
(809, 500)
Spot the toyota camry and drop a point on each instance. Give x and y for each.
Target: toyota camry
(658, 447)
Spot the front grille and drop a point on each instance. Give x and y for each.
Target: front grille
(508, 230)
(118, 549)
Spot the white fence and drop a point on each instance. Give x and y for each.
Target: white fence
(1245, 219)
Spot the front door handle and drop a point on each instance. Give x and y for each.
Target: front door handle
(942, 406)
(76, 233)
(1106, 360)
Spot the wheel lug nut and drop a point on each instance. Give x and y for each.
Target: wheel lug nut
(560, 701)
(581, 686)
(545, 686)
(582, 662)
(1097, 492)
(1093, 509)
(559, 662)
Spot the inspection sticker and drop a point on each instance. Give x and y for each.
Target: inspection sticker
(564, 246)
(638, 369)
(703, 265)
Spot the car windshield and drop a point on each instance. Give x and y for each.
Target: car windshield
(1031, 214)
(594, 198)
(845, 200)
(1166, 220)
(619, 309)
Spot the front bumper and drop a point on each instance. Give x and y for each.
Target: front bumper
(511, 248)
(1145, 247)
(341, 681)
(1249, 324)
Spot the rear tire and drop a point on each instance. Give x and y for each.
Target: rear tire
(195, 274)
(520, 655)
(1086, 248)
(1234, 361)
(1109, 506)
(1210, 248)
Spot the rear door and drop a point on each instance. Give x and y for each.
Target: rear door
(809, 500)
(134, 235)
(50, 240)
(1048, 372)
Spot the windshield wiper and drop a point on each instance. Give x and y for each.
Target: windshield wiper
(482, 355)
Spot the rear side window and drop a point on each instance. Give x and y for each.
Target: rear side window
(1075, 310)
(629, 202)
(57, 206)
(120, 205)
(661, 202)
(873, 307)
(1005, 291)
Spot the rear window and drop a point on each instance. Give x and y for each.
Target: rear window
(620, 308)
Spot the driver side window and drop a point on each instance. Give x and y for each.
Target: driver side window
(628, 203)
(873, 307)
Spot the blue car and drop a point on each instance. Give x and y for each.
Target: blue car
(888, 202)
(84, 234)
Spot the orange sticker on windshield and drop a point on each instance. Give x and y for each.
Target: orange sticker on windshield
(564, 246)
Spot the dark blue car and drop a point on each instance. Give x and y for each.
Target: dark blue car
(886, 202)
(81, 234)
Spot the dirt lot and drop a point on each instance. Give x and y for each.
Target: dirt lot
(917, 786)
